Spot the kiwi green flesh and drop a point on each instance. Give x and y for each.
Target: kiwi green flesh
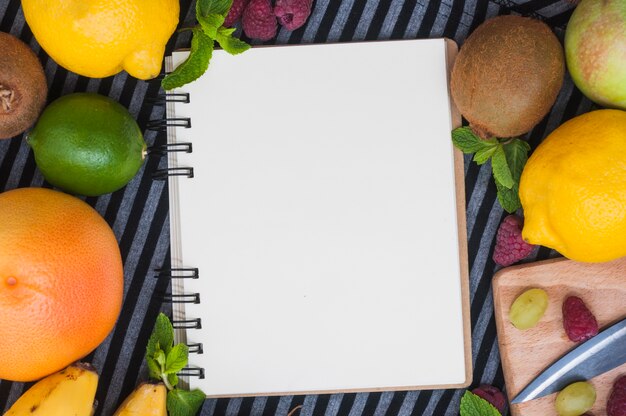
(23, 87)
(507, 76)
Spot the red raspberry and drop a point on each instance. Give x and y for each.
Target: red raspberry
(578, 321)
(292, 14)
(258, 20)
(492, 394)
(616, 405)
(235, 12)
(510, 247)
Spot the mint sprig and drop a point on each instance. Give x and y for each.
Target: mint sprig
(508, 157)
(473, 405)
(196, 63)
(210, 29)
(164, 360)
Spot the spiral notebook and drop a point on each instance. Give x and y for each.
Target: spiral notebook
(317, 220)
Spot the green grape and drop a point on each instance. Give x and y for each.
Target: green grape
(528, 308)
(575, 399)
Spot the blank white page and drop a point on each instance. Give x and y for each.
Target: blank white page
(322, 218)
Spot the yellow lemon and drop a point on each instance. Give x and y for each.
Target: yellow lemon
(573, 188)
(99, 38)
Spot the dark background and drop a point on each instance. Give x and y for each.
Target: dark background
(138, 213)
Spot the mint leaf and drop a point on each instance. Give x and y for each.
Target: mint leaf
(516, 156)
(485, 153)
(468, 142)
(226, 31)
(159, 357)
(206, 7)
(516, 152)
(231, 44)
(196, 63)
(162, 336)
(473, 405)
(509, 198)
(210, 24)
(153, 368)
(153, 346)
(184, 403)
(500, 168)
(177, 359)
(172, 379)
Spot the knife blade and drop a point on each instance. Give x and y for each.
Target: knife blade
(602, 353)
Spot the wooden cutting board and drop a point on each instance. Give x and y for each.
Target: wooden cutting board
(526, 353)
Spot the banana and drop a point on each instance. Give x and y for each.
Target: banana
(68, 392)
(148, 399)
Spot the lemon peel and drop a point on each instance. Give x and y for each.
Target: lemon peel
(573, 188)
(97, 38)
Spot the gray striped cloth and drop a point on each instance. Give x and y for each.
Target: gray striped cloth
(138, 213)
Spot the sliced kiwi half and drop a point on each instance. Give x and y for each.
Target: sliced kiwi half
(23, 88)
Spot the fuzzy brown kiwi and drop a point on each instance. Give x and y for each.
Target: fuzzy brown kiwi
(23, 88)
(507, 76)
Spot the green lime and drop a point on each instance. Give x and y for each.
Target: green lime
(87, 144)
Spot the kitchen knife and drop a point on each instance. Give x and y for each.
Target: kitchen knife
(602, 353)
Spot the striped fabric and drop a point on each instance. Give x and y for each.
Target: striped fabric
(139, 212)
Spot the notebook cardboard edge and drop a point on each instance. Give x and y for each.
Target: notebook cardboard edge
(452, 50)
(459, 178)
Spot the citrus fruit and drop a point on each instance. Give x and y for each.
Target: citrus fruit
(61, 282)
(573, 188)
(87, 144)
(99, 38)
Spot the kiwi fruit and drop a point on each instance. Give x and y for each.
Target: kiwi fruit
(23, 88)
(507, 76)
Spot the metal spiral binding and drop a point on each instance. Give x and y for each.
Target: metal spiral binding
(187, 324)
(182, 298)
(162, 174)
(163, 149)
(194, 298)
(169, 97)
(192, 372)
(164, 123)
(195, 348)
(178, 273)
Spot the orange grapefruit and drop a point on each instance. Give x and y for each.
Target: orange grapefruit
(61, 282)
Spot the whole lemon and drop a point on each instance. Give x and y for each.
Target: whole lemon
(99, 38)
(573, 188)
